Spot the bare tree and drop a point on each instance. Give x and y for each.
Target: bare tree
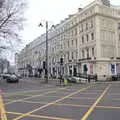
(11, 19)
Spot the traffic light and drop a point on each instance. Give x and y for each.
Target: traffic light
(44, 64)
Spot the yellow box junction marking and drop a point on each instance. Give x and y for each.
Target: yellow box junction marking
(95, 104)
(52, 103)
(40, 116)
(2, 109)
(34, 96)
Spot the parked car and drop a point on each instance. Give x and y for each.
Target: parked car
(12, 78)
(118, 76)
(5, 76)
(115, 77)
(76, 79)
(72, 79)
(19, 76)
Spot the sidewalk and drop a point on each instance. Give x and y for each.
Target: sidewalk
(55, 82)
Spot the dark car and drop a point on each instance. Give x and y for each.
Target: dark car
(12, 78)
(115, 77)
(118, 76)
(5, 76)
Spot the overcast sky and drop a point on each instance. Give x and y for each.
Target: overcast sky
(52, 10)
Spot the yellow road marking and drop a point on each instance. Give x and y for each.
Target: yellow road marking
(14, 113)
(34, 96)
(24, 92)
(51, 118)
(96, 102)
(70, 97)
(117, 99)
(2, 110)
(108, 107)
(88, 98)
(113, 93)
(40, 116)
(75, 105)
(51, 103)
(35, 102)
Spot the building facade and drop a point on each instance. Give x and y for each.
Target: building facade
(87, 42)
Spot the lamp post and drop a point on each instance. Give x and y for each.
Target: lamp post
(46, 69)
(46, 52)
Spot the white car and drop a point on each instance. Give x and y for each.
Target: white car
(75, 79)
(12, 78)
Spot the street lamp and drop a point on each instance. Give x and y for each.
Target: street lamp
(46, 52)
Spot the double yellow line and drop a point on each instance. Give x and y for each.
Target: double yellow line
(2, 109)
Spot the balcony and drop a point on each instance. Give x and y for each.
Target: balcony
(89, 58)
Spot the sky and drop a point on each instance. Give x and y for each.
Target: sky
(51, 10)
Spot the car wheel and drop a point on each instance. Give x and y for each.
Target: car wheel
(17, 81)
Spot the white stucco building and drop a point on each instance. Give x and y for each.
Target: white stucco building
(88, 39)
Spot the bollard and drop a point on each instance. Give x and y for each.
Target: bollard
(65, 82)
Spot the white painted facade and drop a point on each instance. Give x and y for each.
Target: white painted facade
(90, 37)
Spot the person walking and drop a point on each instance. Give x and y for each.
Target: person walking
(88, 78)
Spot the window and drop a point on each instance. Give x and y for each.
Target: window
(72, 55)
(93, 52)
(82, 39)
(68, 44)
(75, 31)
(83, 54)
(68, 55)
(76, 42)
(91, 24)
(72, 42)
(61, 46)
(87, 50)
(86, 26)
(87, 37)
(92, 36)
(82, 27)
(72, 32)
(76, 55)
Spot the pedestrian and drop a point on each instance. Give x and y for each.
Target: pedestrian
(88, 78)
(95, 77)
(61, 79)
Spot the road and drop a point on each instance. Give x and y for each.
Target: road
(31, 100)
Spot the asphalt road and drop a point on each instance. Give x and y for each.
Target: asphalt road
(31, 100)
